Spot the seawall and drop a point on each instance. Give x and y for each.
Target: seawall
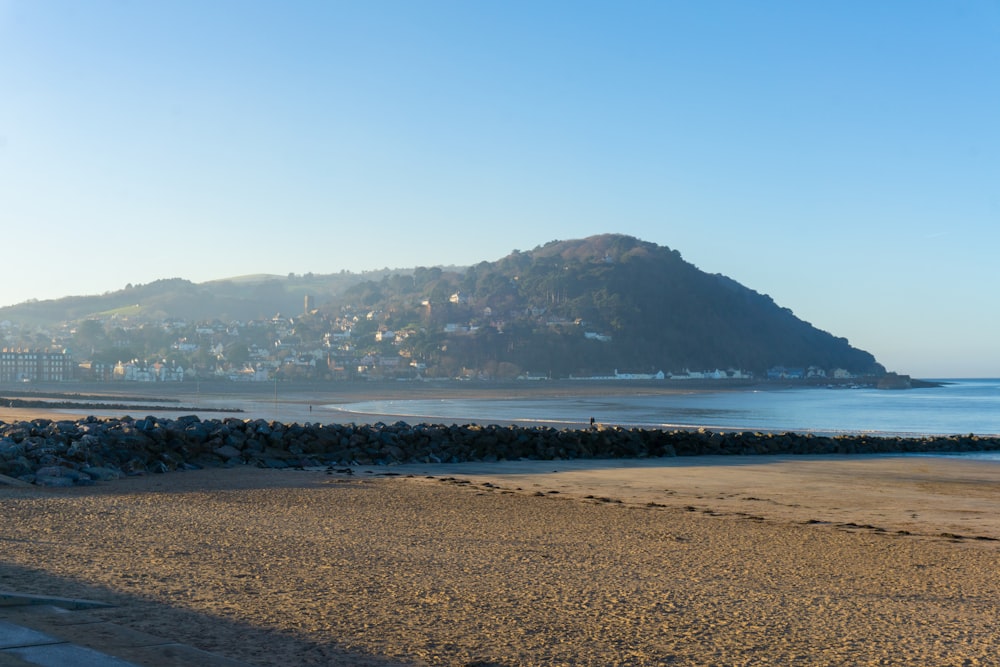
(73, 452)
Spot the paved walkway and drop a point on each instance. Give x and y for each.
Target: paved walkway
(57, 632)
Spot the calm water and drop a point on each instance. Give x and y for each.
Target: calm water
(960, 407)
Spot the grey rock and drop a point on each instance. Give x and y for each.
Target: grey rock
(53, 481)
(101, 473)
(227, 452)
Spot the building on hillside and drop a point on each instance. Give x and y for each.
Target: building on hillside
(19, 365)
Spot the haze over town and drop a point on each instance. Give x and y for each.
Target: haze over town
(841, 158)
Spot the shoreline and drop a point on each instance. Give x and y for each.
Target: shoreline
(689, 560)
(302, 402)
(852, 559)
(331, 402)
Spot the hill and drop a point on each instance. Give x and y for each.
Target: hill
(578, 307)
(239, 298)
(592, 305)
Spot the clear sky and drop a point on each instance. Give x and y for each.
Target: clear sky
(842, 157)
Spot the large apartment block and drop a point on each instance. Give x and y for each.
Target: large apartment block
(18, 365)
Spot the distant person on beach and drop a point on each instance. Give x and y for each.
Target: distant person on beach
(591, 422)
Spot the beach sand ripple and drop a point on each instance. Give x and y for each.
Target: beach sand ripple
(441, 569)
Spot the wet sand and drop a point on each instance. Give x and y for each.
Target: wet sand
(303, 402)
(700, 562)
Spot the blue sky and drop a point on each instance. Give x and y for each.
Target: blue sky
(842, 157)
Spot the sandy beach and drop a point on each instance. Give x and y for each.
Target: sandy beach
(867, 560)
(811, 561)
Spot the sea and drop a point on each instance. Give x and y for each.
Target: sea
(956, 407)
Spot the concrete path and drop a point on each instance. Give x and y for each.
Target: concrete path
(56, 632)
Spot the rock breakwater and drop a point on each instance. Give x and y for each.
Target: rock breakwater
(74, 452)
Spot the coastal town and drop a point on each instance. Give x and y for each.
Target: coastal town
(312, 346)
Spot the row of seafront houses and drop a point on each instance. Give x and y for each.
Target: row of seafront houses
(21, 365)
(731, 374)
(775, 373)
(25, 365)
